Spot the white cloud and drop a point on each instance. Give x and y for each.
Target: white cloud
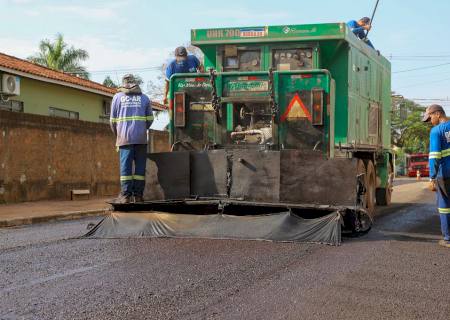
(20, 48)
(107, 10)
(21, 1)
(32, 13)
(245, 14)
(106, 55)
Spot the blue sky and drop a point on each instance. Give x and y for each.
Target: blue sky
(124, 34)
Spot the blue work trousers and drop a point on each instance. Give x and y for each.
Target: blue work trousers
(133, 155)
(445, 225)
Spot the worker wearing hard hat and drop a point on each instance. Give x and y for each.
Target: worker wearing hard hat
(360, 29)
(131, 117)
(183, 63)
(439, 161)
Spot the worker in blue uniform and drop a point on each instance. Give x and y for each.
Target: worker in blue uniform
(360, 29)
(183, 63)
(439, 161)
(131, 117)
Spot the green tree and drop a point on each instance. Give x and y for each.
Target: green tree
(408, 131)
(108, 82)
(58, 55)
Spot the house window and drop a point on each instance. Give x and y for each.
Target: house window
(11, 105)
(56, 112)
(106, 107)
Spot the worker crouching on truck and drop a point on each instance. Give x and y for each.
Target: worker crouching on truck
(360, 29)
(183, 63)
(131, 116)
(439, 160)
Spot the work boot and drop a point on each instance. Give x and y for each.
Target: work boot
(122, 199)
(444, 243)
(138, 199)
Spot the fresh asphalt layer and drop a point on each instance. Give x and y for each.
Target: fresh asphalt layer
(396, 271)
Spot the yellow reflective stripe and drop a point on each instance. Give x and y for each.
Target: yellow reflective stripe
(135, 177)
(126, 178)
(444, 210)
(150, 118)
(133, 118)
(439, 154)
(446, 152)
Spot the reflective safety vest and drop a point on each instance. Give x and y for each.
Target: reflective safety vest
(439, 157)
(131, 116)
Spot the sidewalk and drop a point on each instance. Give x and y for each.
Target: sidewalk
(42, 211)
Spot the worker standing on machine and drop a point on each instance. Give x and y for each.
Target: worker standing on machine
(439, 161)
(360, 27)
(131, 117)
(183, 63)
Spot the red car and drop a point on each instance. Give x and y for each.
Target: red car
(417, 162)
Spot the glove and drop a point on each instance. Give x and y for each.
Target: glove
(432, 185)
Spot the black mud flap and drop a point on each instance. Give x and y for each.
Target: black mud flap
(287, 226)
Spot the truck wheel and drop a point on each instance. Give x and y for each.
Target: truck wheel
(384, 195)
(370, 188)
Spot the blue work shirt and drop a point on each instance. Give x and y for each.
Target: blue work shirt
(359, 31)
(190, 65)
(131, 116)
(439, 157)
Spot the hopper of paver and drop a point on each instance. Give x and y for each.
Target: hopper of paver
(285, 138)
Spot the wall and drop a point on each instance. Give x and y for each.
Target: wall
(38, 96)
(44, 158)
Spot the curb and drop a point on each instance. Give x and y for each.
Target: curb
(15, 222)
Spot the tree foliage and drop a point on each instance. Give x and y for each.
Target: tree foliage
(58, 55)
(408, 131)
(108, 82)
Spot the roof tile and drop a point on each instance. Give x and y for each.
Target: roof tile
(17, 64)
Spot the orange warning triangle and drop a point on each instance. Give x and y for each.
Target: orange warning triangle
(296, 110)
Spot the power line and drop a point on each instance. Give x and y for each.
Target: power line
(423, 68)
(431, 99)
(120, 70)
(423, 83)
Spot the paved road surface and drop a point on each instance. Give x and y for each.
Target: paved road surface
(397, 271)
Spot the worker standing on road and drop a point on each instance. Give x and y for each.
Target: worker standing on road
(439, 160)
(183, 63)
(360, 27)
(131, 116)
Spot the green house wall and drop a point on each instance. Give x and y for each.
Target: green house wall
(38, 96)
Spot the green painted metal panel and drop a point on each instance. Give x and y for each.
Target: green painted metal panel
(268, 33)
(230, 115)
(38, 96)
(361, 75)
(209, 60)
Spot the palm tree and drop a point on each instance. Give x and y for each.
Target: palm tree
(58, 55)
